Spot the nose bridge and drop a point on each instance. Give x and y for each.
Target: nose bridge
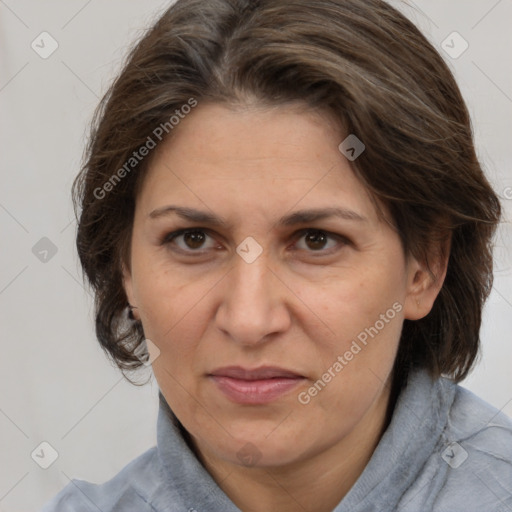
(252, 306)
(250, 287)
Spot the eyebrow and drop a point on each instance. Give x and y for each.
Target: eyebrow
(298, 217)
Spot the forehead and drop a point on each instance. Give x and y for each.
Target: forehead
(254, 157)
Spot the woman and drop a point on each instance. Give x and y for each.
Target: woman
(282, 204)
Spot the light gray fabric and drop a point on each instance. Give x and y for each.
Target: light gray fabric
(415, 467)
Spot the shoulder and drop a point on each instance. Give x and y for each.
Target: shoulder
(475, 456)
(480, 425)
(122, 492)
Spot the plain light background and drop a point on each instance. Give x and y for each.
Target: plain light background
(57, 386)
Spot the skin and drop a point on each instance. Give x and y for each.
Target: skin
(298, 306)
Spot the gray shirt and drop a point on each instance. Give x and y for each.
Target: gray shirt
(445, 450)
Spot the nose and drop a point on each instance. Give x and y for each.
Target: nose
(253, 304)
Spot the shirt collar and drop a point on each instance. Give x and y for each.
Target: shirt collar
(419, 418)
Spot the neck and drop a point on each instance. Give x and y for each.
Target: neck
(317, 482)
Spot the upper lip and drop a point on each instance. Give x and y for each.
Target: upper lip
(263, 372)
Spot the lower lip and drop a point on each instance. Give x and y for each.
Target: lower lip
(255, 391)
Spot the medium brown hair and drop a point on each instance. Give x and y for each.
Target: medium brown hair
(360, 60)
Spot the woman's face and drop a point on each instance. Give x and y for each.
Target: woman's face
(271, 288)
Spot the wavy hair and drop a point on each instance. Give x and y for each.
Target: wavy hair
(366, 64)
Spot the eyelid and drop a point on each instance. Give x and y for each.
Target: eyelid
(169, 237)
(335, 236)
(297, 235)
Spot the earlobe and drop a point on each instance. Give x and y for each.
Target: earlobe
(132, 305)
(128, 288)
(422, 292)
(424, 284)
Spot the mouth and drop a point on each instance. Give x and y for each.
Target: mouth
(255, 386)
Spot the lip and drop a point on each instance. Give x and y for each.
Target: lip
(255, 386)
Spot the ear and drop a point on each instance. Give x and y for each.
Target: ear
(128, 289)
(424, 282)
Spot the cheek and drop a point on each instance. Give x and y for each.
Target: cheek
(168, 296)
(356, 368)
(364, 314)
(174, 318)
(348, 306)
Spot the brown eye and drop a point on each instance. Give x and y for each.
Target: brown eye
(316, 240)
(322, 242)
(194, 239)
(190, 241)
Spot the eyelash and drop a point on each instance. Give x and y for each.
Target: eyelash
(169, 238)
